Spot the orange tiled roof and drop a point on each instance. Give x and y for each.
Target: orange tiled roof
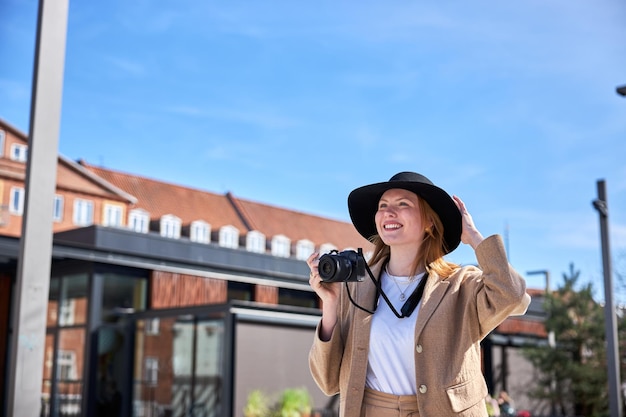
(159, 198)
(271, 221)
(189, 204)
(522, 326)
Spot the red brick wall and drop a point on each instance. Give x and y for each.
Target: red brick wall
(266, 294)
(180, 290)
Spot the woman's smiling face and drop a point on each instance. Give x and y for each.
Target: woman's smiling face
(398, 218)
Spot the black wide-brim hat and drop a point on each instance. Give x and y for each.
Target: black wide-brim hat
(363, 205)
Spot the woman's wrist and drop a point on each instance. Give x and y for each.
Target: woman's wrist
(475, 239)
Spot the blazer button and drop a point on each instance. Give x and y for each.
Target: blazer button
(418, 348)
(423, 389)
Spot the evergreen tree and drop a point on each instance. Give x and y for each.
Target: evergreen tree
(573, 374)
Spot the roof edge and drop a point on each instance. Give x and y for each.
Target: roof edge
(77, 166)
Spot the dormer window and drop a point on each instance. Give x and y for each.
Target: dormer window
(304, 248)
(281, 246)
(200, 231)
(255, 242)
(112, 215)
(229, 237)
(139, 220)
(19, 152)
(327, 247)
(170, 226)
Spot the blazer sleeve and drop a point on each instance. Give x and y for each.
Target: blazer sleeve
(501, 291)
(325, 361)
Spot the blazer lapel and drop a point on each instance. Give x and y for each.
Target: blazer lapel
(433, 294)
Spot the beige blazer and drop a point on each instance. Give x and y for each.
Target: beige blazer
(455, 315)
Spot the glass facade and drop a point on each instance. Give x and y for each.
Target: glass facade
(64, 353)
(74, 364)
(179, 367)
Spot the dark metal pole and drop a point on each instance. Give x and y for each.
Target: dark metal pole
(612, 354)
(551, 340)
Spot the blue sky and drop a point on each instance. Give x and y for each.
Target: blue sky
(510, 105)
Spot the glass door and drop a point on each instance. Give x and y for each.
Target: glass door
(179, 366)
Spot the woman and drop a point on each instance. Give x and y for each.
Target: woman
(425, 361)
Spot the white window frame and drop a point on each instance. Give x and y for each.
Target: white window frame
(139, 220)
(200, 231)
(151, 370)
(229, 237)
(304, 249)
(326, 248)
(57, 208)
(255, 241)
(112, 215)
(67, 312)
(16, 202)
(281, 246)
(66, 365)
(151, 326)
(169, 226)
(3, 136)
(19, 152)
(83, 212)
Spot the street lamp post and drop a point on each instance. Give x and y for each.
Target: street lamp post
(615, 398)
(551, 339)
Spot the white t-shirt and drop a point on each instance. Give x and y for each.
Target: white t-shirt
(391, 360)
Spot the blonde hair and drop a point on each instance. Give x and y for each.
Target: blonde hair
(432, 249)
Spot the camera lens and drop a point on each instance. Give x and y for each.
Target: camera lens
(327, 267)
(334, 267)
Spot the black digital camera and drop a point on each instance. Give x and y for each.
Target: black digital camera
(343, 266)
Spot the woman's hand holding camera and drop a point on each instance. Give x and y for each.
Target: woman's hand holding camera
(328, 293)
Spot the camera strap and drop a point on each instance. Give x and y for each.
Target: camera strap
(415, 298)
(408, 307)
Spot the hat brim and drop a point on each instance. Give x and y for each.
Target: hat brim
(363, 204)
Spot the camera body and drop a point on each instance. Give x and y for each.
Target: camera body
(342, 266)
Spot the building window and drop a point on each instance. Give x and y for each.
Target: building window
(57, 209)
(66, 362)
(152, 326)
(304, 249)
(151, 370)
(2, 137)
(83, 212)
(229, 237)
(240, 291)
(170, 226)
(139, 221)
(255, 242)
(281, 246)
(327, 247)
(297, 298)
(200, 232)
(66, 312)
(19, 152)
(112, 215)
(16, 205)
